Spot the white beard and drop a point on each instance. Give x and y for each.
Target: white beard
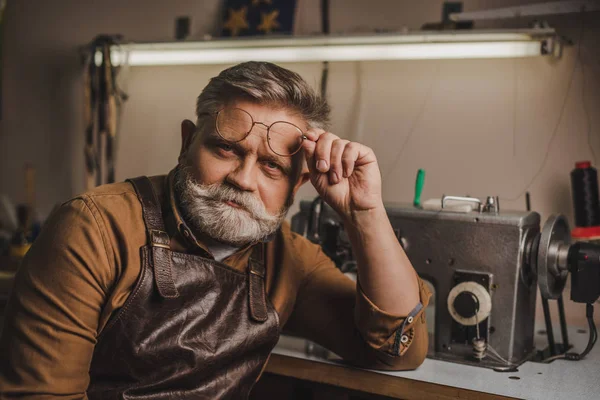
(205, 208)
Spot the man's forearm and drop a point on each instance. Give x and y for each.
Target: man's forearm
(385, 273)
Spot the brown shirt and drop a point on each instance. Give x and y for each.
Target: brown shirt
(85, 262)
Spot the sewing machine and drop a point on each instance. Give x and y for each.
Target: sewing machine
(484, 265)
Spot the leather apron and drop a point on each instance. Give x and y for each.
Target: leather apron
(192, 328)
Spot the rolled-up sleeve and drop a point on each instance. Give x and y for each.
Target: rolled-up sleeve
(394, 334)
(333, 311)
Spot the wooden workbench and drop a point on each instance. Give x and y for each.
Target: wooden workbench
(286, 377)
(291, 373)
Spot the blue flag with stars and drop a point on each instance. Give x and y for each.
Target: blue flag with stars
(258, 17)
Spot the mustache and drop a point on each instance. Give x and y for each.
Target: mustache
(218, 193)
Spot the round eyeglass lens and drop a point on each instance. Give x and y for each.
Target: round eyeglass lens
(285, 139)
(233, 124)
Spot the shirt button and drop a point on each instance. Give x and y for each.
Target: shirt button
(404, 339)
(186, 234)
(410, 320)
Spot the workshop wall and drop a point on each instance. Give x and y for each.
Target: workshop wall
(482, 127)
(478, 127)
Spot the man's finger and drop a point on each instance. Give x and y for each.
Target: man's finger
(349, 157)
(314, 134)
(323, 151)
(309, 153)
(336, 169)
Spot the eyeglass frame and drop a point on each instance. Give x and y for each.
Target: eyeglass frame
(216, 115)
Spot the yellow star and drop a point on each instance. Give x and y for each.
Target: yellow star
(237, 20)
(257, 2)
(268, 21)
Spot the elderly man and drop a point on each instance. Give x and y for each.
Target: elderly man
(179, 285)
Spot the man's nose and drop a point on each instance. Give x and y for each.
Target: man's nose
(244, 176)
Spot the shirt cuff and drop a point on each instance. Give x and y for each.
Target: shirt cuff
(392, 334)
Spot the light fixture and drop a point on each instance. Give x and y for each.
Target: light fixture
(408, 46)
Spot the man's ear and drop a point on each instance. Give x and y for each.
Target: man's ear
(188, 129)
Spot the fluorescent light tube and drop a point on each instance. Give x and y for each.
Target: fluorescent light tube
(366, 48)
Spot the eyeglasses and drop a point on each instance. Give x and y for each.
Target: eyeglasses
(284, 138)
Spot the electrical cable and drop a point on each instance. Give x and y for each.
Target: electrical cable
(515, 108)
(591, 341)
(413, 126)
(588, 119)
(560, 117)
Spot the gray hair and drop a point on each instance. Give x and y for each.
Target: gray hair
(264, 83)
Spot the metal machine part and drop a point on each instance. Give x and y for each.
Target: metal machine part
(550, 257)
(492, 204)
(483, 265)
(326, 230)
(448, 249)
(584, 265)
(469, 303)
(445, 199)
(551, 262)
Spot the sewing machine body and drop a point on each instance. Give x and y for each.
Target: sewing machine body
(470, 258)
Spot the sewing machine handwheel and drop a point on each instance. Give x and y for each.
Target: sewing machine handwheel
(554, 234)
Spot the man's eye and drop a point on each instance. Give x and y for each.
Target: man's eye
(224, 146)
(272, 165)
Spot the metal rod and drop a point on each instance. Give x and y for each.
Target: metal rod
(549, 330)
(325, 16)
(528, 10)
(325, 29)
(563, 323)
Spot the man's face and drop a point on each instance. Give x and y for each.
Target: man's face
(248, 167)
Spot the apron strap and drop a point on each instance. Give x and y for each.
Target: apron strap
(158, 238)
(257, 276)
